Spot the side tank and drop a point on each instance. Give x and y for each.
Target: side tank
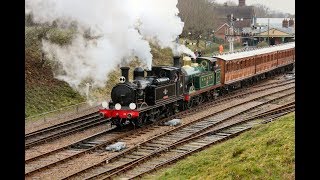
(190, 69)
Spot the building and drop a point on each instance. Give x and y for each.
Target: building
(277, 30)
(221, 32)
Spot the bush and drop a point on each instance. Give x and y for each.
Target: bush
(262, 44)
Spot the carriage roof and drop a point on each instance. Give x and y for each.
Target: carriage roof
(243, 54)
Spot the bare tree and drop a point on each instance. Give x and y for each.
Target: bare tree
(198, 16)
(261, 10)
(231, 3)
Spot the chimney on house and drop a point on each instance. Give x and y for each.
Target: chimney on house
(285, 23)
(242, 2)
(291, 22)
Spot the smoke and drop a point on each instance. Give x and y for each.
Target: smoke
(124, 27)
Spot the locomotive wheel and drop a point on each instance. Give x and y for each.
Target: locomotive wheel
(198, 100)
(209, 96)
(140, 121)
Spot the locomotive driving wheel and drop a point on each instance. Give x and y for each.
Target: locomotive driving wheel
(189, 104)
(141, 120)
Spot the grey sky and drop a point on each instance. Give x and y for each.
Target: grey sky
(286, 6)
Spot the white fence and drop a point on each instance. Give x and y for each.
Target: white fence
(68, 112)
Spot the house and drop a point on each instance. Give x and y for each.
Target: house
(221, 32)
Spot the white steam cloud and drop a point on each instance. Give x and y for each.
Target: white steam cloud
(125, 28)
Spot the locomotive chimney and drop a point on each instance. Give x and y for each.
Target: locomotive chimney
(176, 61)
(125, 73)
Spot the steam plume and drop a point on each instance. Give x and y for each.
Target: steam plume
(124, 27)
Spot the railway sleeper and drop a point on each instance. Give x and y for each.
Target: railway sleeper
(198, 126)
(223, 134)
(178, 151)
(153, 145)
(124, 160)
(168, 139)
(213, 137)
(184, 134)
(161, 142)
(137, 153)
(206, 123)
(172, 135)
(189, 130)
(192, 146)
(146, 149)
(133, 156)
(198, 143)
(180, 135)
(233, 131)
(183, 148)
(237, 128)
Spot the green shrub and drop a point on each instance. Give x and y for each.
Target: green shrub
(262, 44)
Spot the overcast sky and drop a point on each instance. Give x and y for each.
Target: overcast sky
(286, 6)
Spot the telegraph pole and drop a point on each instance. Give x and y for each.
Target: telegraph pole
(88, 85)
(230, 35)
(268, 33)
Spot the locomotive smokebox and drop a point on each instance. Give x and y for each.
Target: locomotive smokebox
(138, 73)
(176, 61)
(125, 73)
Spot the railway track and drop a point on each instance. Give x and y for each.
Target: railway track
(62, 155)
(63, 129)
(85, 122)
(135, 153)
(169, 154)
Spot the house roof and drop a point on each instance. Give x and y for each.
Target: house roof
(289, 30)
(246, 12)
(272, 21)
(222, 26)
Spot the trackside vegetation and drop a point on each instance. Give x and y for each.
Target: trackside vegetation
(264, 152)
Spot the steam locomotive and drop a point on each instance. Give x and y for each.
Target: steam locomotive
(166, 90)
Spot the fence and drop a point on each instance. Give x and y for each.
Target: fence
(68, 112)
